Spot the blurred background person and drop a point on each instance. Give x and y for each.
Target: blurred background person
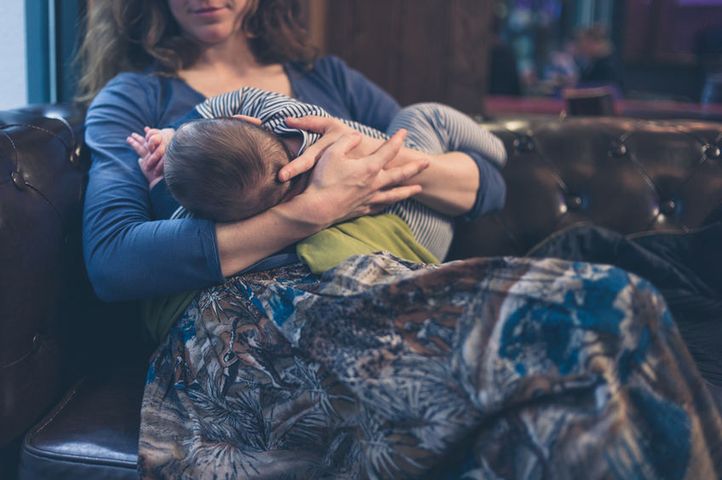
(596, 60)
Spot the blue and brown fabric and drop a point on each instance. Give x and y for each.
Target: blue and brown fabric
(494, 368)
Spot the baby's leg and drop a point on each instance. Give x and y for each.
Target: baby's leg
(435, 128)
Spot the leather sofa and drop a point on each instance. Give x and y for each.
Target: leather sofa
(72, 368)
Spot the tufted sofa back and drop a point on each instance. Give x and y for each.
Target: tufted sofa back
(624, 174)
(41, 181)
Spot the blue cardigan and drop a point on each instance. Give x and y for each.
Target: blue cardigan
(129, 254)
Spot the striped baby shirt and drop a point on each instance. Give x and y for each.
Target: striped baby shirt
(433, 128)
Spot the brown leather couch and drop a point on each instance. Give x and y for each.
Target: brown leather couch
(72, 369)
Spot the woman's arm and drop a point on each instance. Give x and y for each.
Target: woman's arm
(129, 256)
(443, 187)
(450, 184)
(340, 187)
(455, 183)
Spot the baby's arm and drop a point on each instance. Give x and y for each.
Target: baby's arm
(249, 101)
(271, 109)
(151, 151)
(437, 129)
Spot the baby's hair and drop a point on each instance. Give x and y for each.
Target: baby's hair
(225, 169)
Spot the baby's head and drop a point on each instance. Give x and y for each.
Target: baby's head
(225, 169)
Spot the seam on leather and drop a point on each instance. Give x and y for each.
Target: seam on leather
(46, 199)
(39, 129)
(32, 449)
(53, 135)
(65, 122)
(63, 403)
(12, 145)
(37, 453)
(33, 348)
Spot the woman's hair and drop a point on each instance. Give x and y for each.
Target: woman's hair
(129, 35)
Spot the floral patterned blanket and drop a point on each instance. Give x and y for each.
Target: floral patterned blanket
(495, 368)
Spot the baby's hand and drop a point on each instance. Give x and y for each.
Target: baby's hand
(150, 150)
(158, 141)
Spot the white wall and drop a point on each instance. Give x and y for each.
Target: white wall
(13, 72)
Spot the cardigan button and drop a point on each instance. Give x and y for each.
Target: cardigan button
(18, 180)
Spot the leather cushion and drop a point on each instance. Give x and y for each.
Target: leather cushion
(92, 433)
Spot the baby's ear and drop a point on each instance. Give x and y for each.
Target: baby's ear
(246, 118)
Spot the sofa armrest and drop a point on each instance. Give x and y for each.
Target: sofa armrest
(41, 183)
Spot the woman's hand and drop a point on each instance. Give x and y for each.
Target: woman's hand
(449, 185)
(331, 130)
(342, 186)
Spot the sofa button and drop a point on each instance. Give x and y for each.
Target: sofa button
(75, 156)
(524, 144)
(18, 180)
(668, 207)
(618, 150)
(711, 152)
(574, 202)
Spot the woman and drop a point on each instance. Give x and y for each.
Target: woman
(381, 368)
(129, 257)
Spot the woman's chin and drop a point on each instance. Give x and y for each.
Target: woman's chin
(212, 35)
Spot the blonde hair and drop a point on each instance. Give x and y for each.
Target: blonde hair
(130, 35)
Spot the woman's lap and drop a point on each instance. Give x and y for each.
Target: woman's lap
(383, 369)
(686, 268)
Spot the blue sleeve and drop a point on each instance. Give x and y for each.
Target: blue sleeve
(163, 205)
(367, 103)
(188, 117)
(129, 256)
(491, 195)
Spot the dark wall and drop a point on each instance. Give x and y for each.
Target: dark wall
(665, 31)
(417, 50)
(661, 46)
(673, 82)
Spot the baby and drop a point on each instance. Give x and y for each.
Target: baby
(225, 168)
